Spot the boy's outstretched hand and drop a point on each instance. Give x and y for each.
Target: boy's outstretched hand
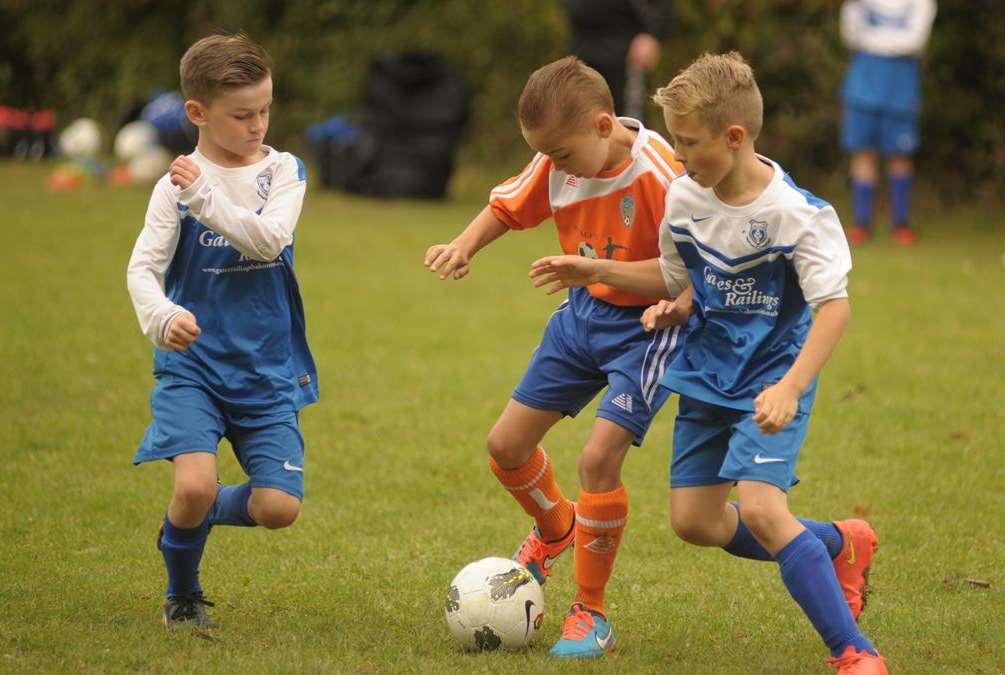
(448, 259)
(184, 171)
(564, 271)
(775, 407)
(182, 332)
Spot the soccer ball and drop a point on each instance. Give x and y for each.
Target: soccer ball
(493, 603)
(81, 140)
(134, 139)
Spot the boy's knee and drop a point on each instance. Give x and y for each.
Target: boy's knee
(275, 510)
(506, 450)
(196, 493)
(599, 471)
(692, 529)
(757, 516)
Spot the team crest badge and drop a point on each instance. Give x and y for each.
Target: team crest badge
(757, 233)
(627, 211)
(264, 180)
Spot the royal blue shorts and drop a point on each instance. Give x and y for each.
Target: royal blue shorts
(590, 344)
(188, 418)
(713, 444)
(890, 133)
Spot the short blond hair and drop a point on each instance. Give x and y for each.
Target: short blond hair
(720, 89)
(220, 62)
(563, 92)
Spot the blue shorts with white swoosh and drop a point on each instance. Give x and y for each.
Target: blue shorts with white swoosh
(713, 444)
(188, 418)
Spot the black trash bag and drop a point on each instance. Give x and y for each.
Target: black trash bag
(415, 107)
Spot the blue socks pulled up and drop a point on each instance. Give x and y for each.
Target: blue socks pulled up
(862, 197)
(231, 506)
(182, 550)
(744, 545)
(900, 198)
(807, 573)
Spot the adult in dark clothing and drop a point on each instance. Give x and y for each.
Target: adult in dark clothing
(617, 37)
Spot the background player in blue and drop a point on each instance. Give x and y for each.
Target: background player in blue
(758, 253)
(211, 279)
(882, 101)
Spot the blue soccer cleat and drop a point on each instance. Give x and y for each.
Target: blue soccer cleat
(586, 635)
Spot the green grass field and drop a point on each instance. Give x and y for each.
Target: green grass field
(909, 428)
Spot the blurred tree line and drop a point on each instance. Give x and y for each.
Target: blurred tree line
(100, 57)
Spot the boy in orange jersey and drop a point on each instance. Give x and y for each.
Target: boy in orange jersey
(604, 180)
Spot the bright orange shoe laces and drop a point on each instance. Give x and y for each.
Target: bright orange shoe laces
(578, 623)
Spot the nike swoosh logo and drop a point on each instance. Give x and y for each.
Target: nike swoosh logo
(526, 607)
(851, 551)
(548, 561)
(758, 459)
(698, 220)
(603, 643)
(290, 467)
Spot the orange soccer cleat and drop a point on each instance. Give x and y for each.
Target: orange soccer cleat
(904, 235)
(853, 662)
(858, 235)
(537, 555)
(852, 564)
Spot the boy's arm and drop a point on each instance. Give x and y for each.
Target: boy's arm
(455, 258)
(152, 254)
(642, 277)
(259, 236)
(777, 405)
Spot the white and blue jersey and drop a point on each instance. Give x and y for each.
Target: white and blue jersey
(222, 249)
(756, 271)
(887, 38)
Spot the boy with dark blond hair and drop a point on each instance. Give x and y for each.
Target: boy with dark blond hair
(759, 254)
(211, 279)
(604, 181)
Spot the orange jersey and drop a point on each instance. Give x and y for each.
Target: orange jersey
(615, 215)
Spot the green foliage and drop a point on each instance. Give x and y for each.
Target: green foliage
(98, 58)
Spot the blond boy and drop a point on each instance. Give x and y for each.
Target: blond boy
(603, 179)
(759, 253)
(211, 279)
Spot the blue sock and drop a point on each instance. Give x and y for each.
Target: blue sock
(744, 545)
(862, 195)
(809, 576)
(182, 551)
(231, 506)
(900, 198)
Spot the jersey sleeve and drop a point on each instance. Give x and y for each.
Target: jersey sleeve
(260, 236)
(524, 201)
(822, 259)
(151, 257)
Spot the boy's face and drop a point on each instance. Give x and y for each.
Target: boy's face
(707, 155)
(582, 152)
(236, 120)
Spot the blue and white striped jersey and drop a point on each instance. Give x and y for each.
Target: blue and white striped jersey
(756, 271)
(223, 250)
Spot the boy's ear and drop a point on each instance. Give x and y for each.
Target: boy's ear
(604, 123)
(735, 136)
(195, 112)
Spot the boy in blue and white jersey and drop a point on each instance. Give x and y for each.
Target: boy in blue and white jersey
(211, 279)
(759, 252)
(882, 102)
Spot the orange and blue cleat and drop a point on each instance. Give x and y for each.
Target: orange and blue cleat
(537, 555)
(587, 634)
(852, 564)
(858, 235)
(853, 662)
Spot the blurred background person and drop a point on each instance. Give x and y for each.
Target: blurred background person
(620, 39)
(882, 101)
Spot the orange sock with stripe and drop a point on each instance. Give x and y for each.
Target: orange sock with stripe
(534, 486)
(600, 522)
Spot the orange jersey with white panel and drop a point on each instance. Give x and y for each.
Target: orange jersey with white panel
(615, 215)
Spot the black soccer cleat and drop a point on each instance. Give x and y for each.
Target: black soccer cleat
(188, 609)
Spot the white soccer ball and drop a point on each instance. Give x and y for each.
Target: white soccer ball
(493, 603)
(586, 250)
(150, 165)
(134, 139)
(81, 140)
